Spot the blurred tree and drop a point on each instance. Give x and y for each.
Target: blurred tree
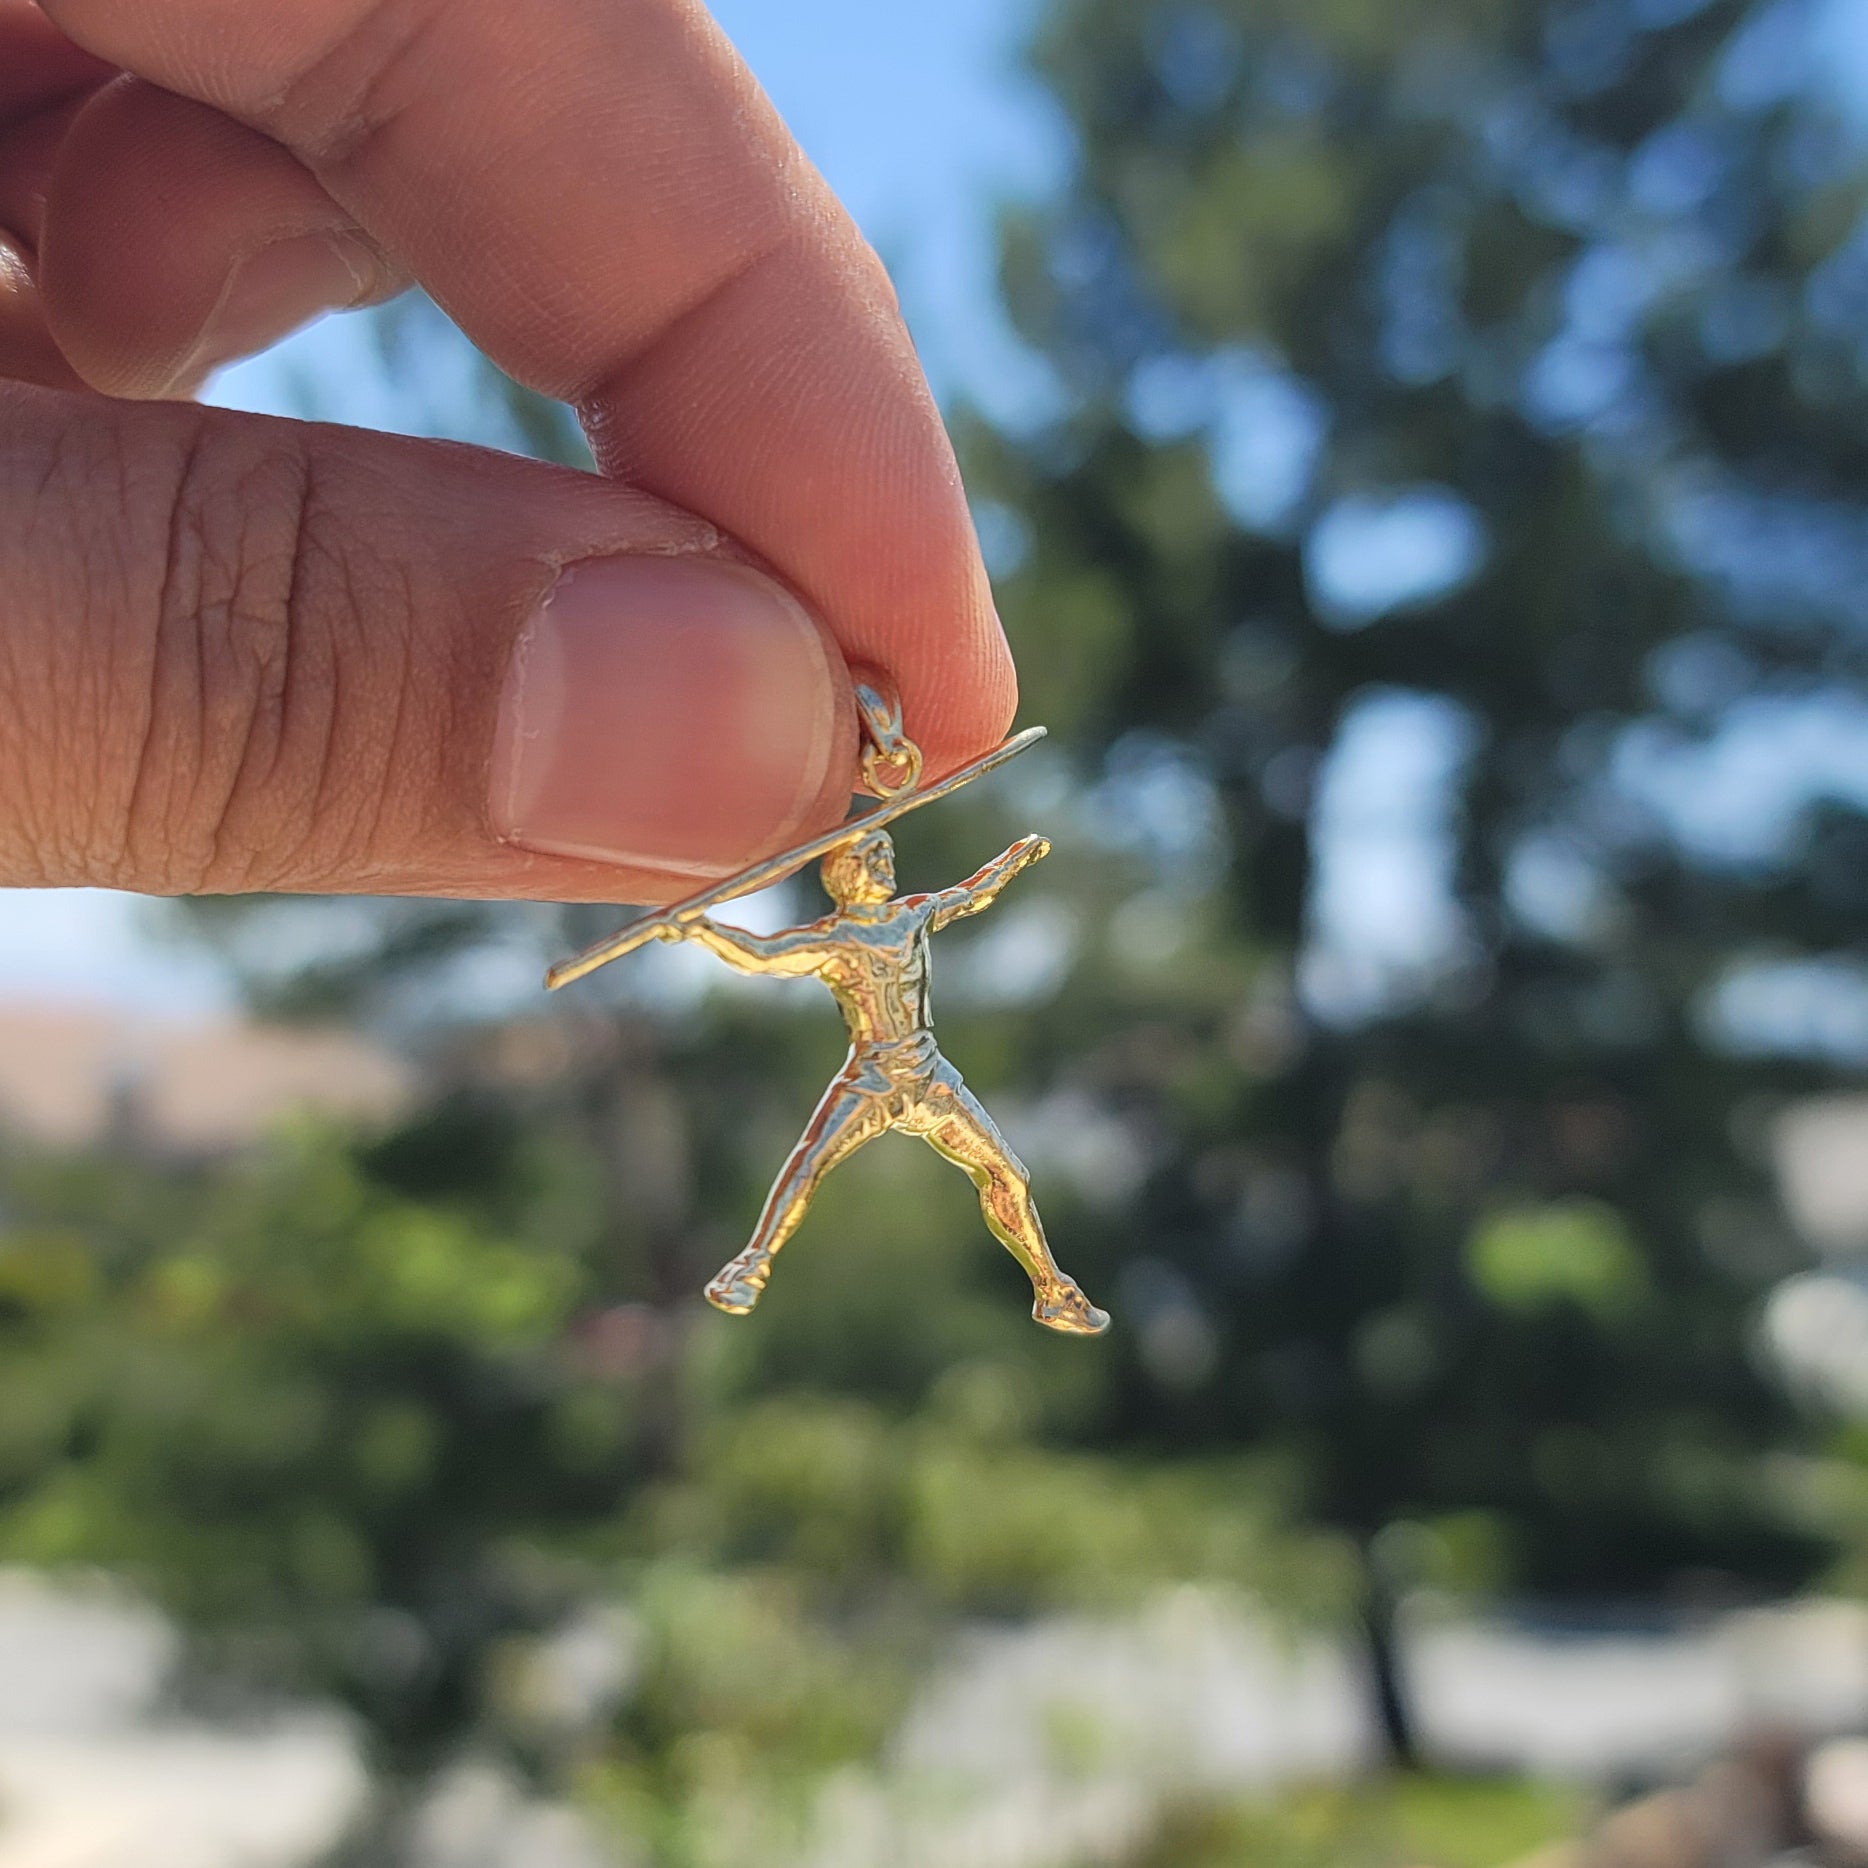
(348, 1438)
(392, 1452)
(1442, 550)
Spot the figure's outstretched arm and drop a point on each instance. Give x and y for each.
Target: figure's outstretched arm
(981, 890)
(792, 954)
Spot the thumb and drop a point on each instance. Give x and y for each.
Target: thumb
(237, 654)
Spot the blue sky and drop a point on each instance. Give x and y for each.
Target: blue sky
(921, 121)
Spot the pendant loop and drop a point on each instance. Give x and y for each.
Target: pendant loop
(891, 760)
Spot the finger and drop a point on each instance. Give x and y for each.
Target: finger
(244, 654)
(42, 77)
(27, 352)
(600, 195)
(39, 66)
(177, 240)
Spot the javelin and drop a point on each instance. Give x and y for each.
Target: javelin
(639, 933)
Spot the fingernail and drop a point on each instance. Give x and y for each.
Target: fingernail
(678, 714)
(278, 288)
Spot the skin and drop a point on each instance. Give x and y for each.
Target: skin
(246, 654)
(873, 956)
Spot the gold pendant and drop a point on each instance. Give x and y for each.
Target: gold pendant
(872, 953)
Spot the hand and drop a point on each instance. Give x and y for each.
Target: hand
(246, 654)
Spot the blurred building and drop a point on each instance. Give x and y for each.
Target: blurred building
(85, 1076)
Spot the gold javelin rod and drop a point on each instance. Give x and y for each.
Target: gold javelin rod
(639, 933)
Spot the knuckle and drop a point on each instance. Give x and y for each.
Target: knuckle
(231, 787)
(62, 688)
(205, 666)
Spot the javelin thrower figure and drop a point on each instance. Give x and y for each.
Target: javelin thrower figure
(872, 953)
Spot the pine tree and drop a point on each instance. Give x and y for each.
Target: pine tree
(1481, 384)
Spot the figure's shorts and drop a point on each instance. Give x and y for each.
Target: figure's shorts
(905, 1083)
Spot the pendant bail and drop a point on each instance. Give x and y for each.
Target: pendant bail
(891, 760)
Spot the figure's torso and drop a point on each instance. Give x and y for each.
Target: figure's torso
(879, 976)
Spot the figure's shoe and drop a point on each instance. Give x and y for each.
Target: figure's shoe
(737, 1286)
(1067, 1310)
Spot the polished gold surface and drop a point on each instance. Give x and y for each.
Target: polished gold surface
(775, 868)
(872, 954)
(891, 760)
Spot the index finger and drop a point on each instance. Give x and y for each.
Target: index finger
(600, 195)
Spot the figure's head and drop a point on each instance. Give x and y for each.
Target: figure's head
(862, 870)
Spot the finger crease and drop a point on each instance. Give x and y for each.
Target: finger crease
(618, 365)
(174, 609)
(340, 104)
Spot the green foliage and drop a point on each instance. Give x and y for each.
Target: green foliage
(306, 1412)
(1571, 1251)
(747, 1699)
(1414, 1822)
(959, 1505)
(388, 1448)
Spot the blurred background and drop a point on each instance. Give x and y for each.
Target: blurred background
(1422, 446)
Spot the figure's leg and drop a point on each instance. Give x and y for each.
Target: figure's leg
(962, 1131)
(845, 1119)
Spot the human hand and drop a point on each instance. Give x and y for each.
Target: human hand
(245, 654)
